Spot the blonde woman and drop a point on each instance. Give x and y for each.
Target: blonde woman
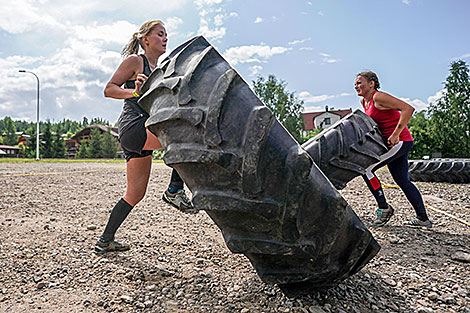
(136, 141)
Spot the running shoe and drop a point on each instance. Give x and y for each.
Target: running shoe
(180, 201)
(383, 216)
(102, 247)
(416, 222)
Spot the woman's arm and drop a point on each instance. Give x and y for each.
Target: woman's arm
(384, 101)
(129, 69)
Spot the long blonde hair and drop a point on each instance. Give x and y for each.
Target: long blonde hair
(132, 46)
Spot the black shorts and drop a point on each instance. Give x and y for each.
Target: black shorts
(133, 139)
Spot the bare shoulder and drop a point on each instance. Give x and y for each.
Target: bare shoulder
(385, 101)
(133, 61)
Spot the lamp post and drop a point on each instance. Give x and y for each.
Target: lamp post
(37, 115)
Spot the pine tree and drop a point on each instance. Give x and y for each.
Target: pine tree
(95, 144)
(46, 141)
(9, 131)
(110, 146)
(58, 146)
(83, 151)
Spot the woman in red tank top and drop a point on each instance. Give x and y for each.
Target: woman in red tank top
(391, 115)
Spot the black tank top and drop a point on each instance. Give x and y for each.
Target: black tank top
(132, 112)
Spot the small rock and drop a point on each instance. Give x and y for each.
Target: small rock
(390, 282)
(245, 310)
(394, 240)
(433, 296)
(126, 299)
(148, 304)
(424, 310)
(316, 309)
(450, 300)
(41, 285)
(151, 288)
(461, 256)
(91, 227)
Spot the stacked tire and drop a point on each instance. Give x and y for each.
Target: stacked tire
(440, 170)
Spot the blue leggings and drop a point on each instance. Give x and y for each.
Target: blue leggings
(397, 161)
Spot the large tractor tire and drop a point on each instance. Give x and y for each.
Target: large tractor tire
(347, 148)
(440, 170)
(258, 185)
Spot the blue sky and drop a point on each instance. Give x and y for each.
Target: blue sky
(316, 47)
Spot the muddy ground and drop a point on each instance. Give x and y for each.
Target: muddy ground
(52, 213)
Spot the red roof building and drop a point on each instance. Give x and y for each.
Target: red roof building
(323, 119)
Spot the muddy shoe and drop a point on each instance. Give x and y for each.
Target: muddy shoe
(416, 222)
(180, 201)
(103, 247)
(383, 216)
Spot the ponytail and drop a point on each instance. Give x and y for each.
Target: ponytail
(133, 45)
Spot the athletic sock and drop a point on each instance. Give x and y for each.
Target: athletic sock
(118, 215)
(173, 189)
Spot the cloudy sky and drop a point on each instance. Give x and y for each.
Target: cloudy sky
(315, 46)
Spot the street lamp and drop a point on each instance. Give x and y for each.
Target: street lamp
(37, 115)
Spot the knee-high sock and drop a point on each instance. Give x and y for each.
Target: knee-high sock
(118, 215)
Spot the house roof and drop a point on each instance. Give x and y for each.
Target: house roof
(103, 128)
(341, 113)
(9, 147)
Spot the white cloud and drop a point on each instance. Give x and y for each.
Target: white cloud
(255, 69)
(172, 24)
(296, 42)
(310, 109)
(309, 98)
(211, 34)
(258, 20)
(321, 13)
(23, 16)
(464, 56)
(203, 3)
(219, 20)
(327, 58)
(436, 96)
(254, 53)
(418, 104)
(309, 3)
(306, 49)
(119, 32)
(407, 2)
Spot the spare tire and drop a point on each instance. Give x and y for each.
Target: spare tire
(440, 170)
(246, 171)
(344, 150)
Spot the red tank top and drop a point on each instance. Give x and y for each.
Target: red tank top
(387, 120)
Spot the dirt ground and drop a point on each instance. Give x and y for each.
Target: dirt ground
(51, 214)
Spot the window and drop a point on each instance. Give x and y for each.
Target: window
(327, 121)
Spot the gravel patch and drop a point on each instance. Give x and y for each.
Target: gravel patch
(52, 213)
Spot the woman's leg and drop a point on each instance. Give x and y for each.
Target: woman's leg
(371, 179)
(152, 142)
(138, 173)
(399, 170)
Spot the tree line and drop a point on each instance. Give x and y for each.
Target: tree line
(444, 127)
(52, 135)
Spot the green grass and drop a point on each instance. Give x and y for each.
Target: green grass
(21, 160)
